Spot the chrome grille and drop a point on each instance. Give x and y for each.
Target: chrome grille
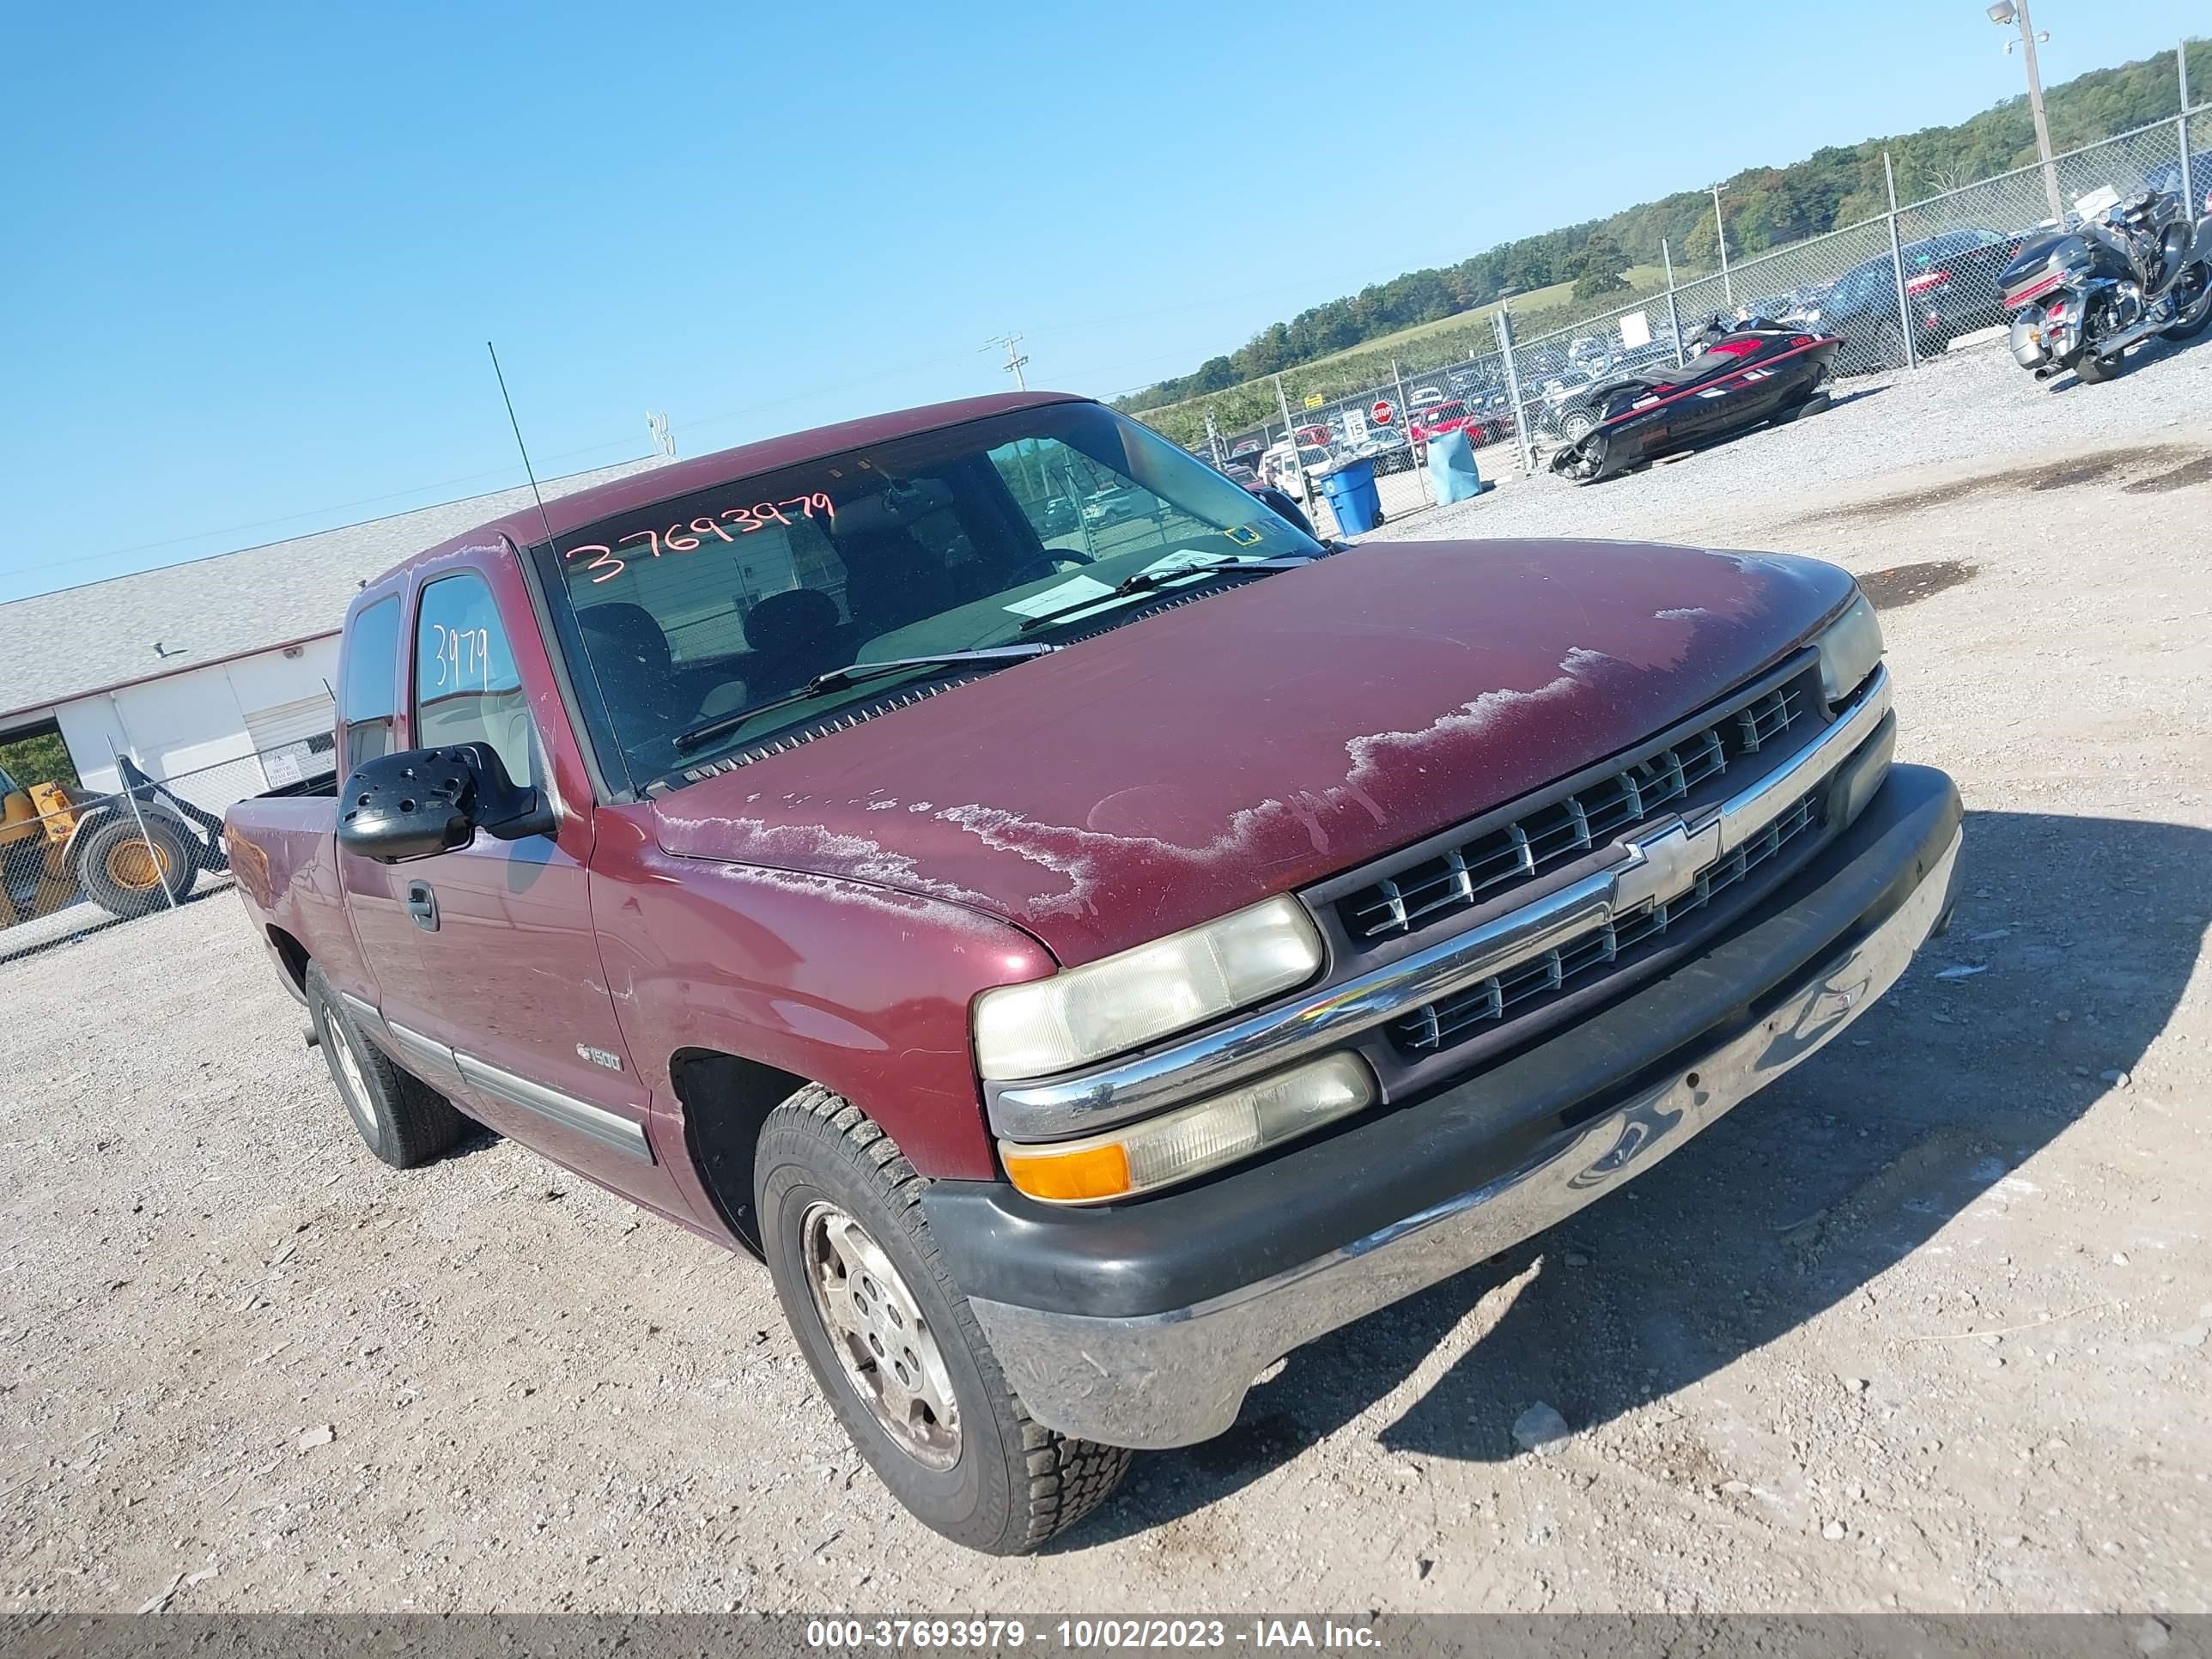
(1463, 876)
(1451, 1019)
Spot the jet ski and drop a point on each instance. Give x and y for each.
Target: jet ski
(1743, 375)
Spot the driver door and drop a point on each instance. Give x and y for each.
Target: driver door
(509, 976)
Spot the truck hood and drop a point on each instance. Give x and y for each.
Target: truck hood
(1263, 737)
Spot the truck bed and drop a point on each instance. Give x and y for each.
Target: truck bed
(283, 851)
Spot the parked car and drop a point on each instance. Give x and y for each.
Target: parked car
(1451, 417)
(1249, 449)
(1426, 397)
(1741, 379)
(1387, 446)
(1950, 289)
(1052, 974)
(1299, 477)
(1117, 504)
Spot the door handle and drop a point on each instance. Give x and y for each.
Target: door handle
(422, 905)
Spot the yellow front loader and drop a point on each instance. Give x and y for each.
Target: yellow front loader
(58, 844)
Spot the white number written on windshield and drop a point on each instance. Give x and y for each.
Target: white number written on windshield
(686, 538)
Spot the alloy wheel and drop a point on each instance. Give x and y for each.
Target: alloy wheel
(883, 1342)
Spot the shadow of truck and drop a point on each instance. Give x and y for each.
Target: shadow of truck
(1797, 1198)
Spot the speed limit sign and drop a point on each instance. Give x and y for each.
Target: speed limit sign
(1383, 412)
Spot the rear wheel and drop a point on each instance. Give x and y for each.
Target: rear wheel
(2198, 312)
(1576, 425)
(128, 871)
(402, 1119)
(894, 1345)
(2092, 370)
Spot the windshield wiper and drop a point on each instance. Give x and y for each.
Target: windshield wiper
(996, 656)
(1147, 581)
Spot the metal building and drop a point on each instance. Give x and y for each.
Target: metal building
(216, 674)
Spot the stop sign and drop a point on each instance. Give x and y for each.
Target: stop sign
(1383, 412)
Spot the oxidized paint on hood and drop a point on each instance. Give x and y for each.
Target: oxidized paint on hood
(1265, 737)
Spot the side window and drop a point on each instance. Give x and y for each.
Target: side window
(466, 689)
(370, 700)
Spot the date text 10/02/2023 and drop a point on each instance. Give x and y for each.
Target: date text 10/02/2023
(685, 538)
(1086, 1634)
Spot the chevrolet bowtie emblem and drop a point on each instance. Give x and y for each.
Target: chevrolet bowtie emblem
(1665, 866)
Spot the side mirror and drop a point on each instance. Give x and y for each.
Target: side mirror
(422, 802)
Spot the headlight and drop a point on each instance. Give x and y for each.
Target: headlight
(1122, 1002)
(1159, 1152)
(1849, 650)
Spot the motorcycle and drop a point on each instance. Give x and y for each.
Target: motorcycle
(2082, 298)
(1744, 375)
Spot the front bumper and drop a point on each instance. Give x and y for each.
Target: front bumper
(1145, 1326)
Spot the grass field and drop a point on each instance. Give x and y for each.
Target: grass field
(1536, 299)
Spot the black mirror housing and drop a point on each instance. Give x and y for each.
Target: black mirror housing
(422, 802)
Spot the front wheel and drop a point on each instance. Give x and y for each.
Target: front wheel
(1576, 425)
(1583, 463)
(893, 1344)
(2196, 315)
(128, 871)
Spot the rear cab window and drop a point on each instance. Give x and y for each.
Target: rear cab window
(368, 698)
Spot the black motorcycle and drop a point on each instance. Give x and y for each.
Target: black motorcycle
(2081, 298)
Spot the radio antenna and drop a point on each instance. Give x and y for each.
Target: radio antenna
(528, 471)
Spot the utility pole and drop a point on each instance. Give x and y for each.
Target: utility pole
(1014, 359)
(2015, 11)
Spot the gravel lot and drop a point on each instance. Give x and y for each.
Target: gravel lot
(1923, 1326)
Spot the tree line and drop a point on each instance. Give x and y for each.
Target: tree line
(1762, 208)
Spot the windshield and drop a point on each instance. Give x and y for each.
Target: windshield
(703, 606)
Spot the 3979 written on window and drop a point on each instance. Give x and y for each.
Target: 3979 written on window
(466, 687)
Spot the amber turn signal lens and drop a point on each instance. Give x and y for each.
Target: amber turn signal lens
(1093, 1172)
(1159, 1152)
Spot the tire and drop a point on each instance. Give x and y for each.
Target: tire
(2092, 370)
(127, 873)
(965, 1459)
(401, 1119)
(1576, 425)
(2194, 325)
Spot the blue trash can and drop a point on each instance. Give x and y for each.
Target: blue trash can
(1452, 472)
(1353, 496)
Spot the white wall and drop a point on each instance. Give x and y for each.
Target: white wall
(193, 722)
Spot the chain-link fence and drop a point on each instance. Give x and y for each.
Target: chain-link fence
(1897, 289)
(73, 861)
(1388, 423)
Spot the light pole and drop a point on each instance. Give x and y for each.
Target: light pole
(1720, 234)
(2006, 11)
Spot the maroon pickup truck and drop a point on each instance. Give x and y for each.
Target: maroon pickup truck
(1086, 960)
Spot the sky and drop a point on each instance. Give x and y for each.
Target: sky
(252, 254)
